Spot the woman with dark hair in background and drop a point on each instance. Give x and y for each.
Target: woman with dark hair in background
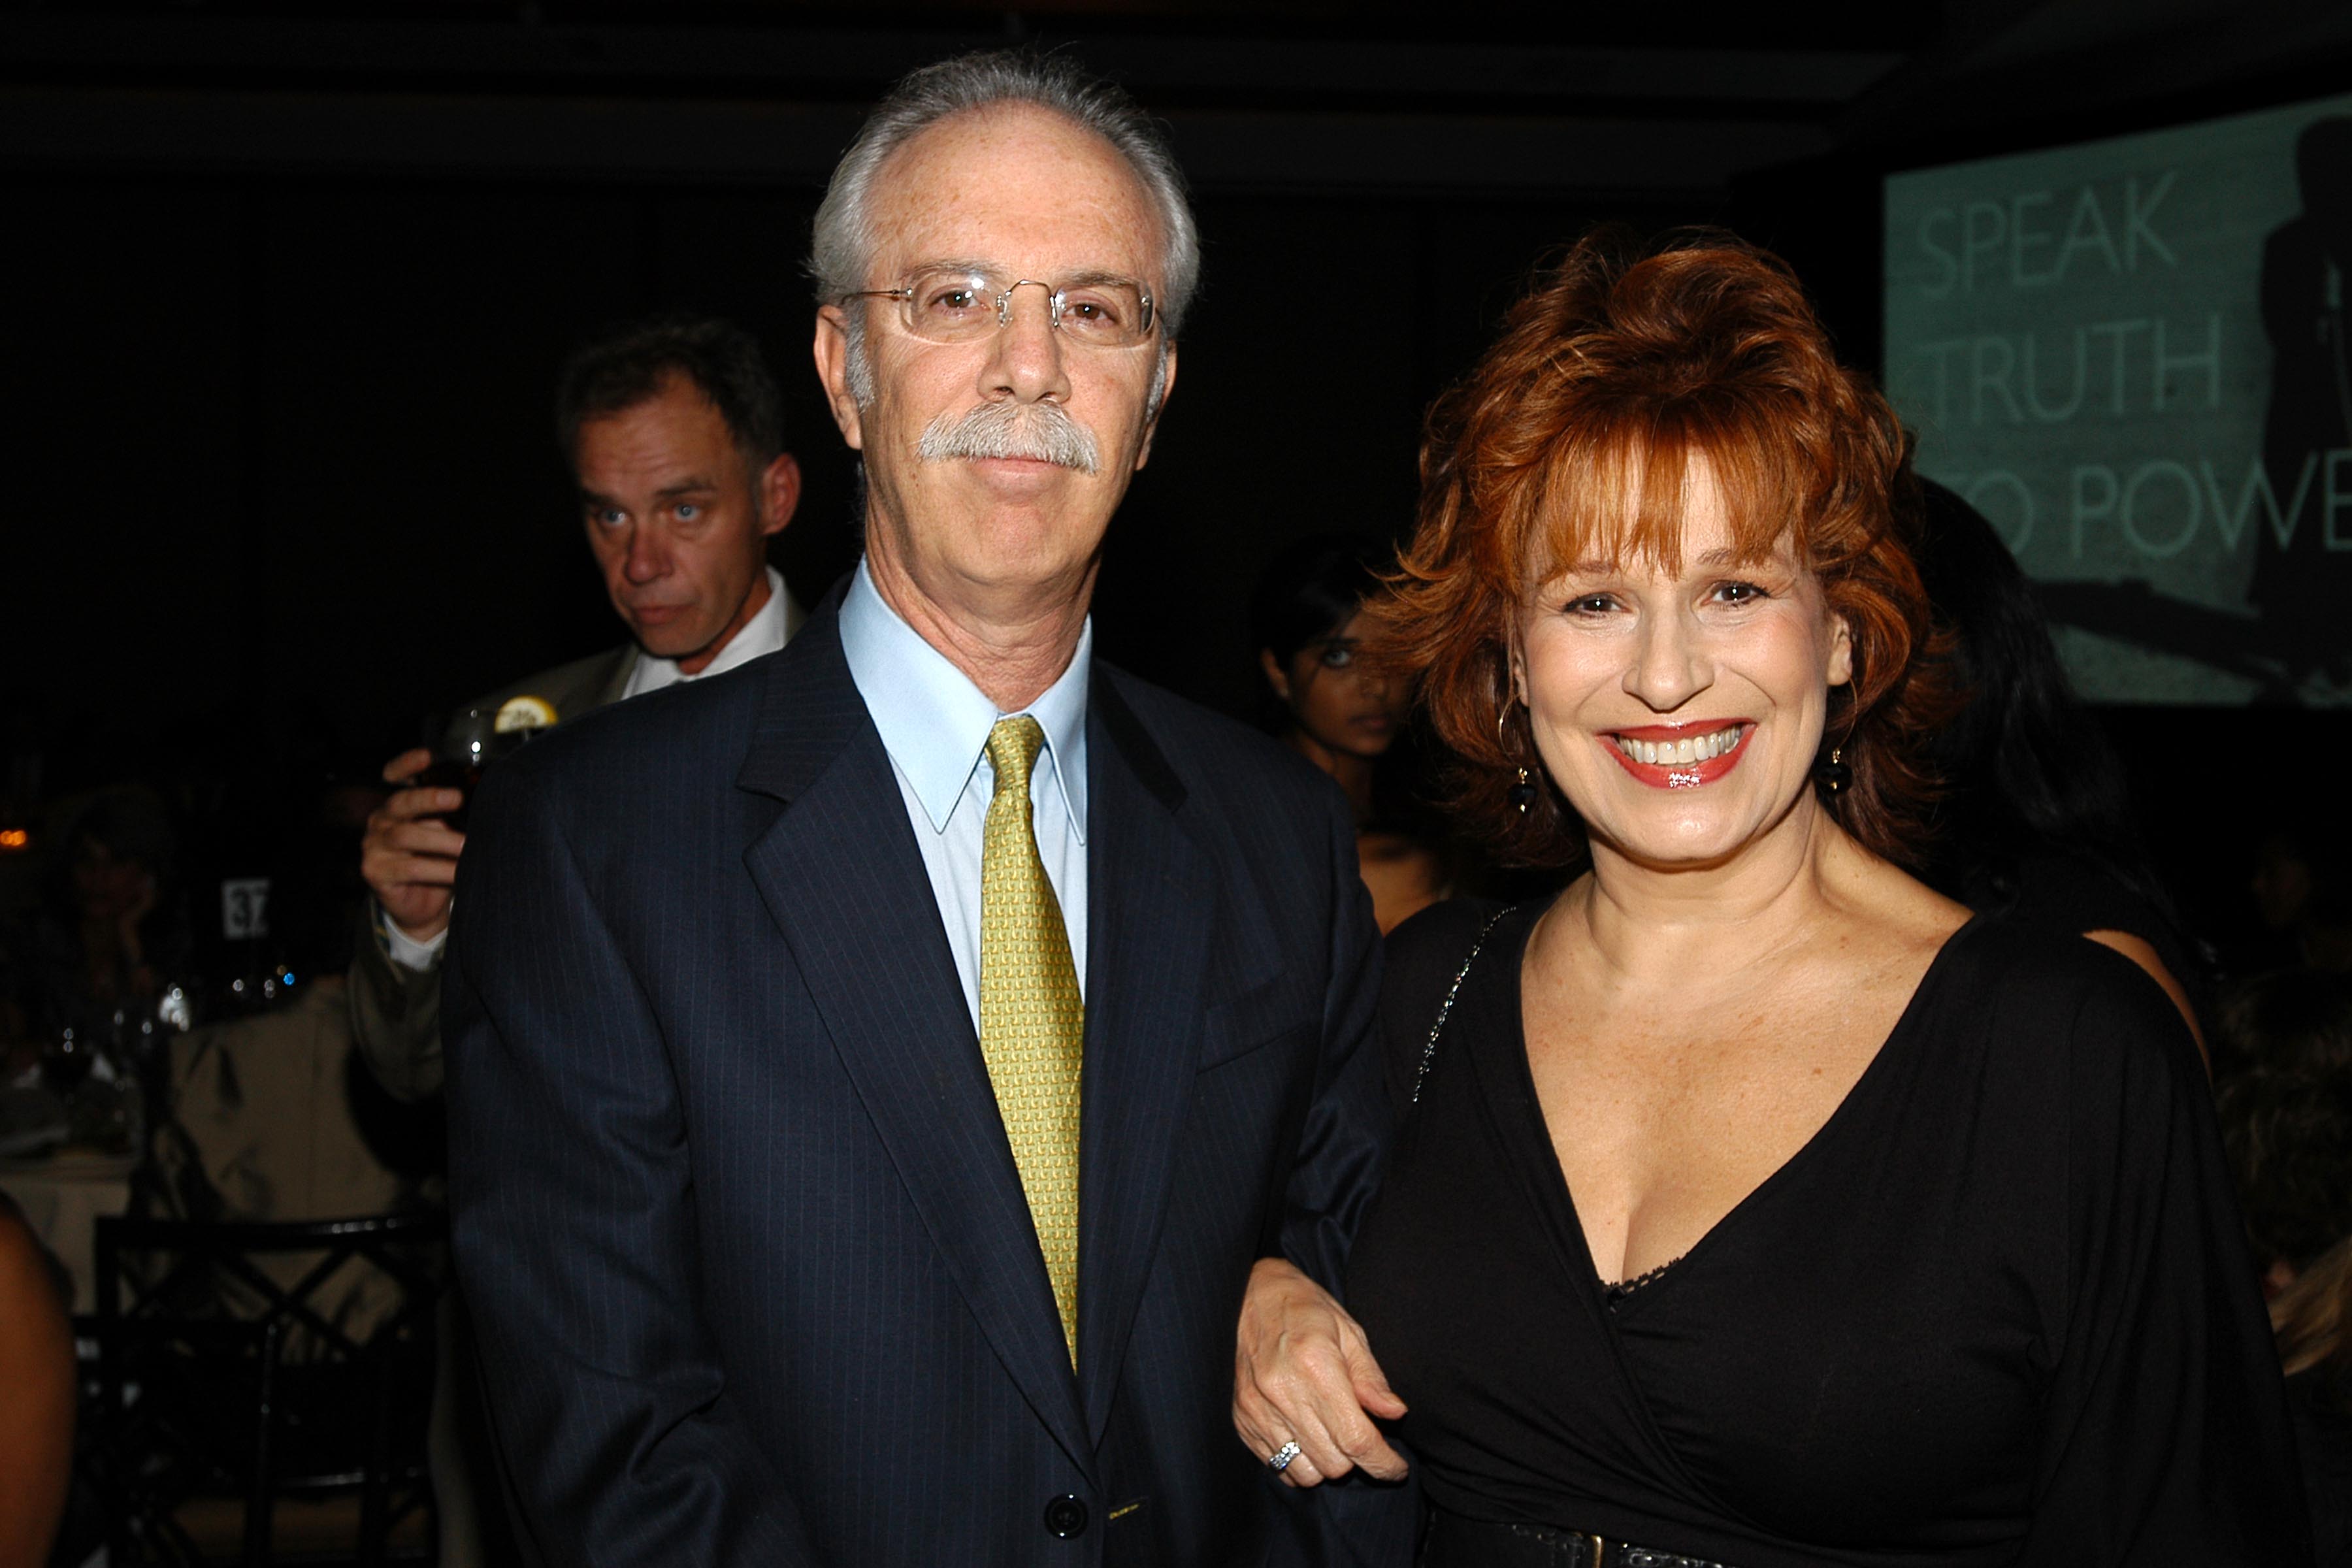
(1753, 1203)
(2286, 1119)
(112, 933)
(2033, 816)
(2301, 885)
(1306, 619)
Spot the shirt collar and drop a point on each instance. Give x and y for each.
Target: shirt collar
(764, 633)
(935, 723)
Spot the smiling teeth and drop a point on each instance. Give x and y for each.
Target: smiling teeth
(1672, 753)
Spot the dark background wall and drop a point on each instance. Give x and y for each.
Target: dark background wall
(291, 284)
(292, 431)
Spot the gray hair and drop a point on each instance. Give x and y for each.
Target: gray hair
(843, 240)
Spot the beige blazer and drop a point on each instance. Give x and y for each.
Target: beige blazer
(396, 1011)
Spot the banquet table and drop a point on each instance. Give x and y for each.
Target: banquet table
(62, 1195)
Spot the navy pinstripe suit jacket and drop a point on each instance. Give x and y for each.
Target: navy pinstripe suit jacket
(755, 1279)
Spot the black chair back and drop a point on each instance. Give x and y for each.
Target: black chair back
(247, 1363)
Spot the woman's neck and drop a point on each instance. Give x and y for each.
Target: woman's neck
(1352, 772)
(1653, 922)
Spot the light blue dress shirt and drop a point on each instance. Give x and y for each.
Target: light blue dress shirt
(935, 724)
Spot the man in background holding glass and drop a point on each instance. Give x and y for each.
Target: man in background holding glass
(674, 431)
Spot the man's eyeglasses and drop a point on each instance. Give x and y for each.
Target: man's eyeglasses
(948, 306)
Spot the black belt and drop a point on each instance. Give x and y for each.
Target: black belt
(1455, 1541)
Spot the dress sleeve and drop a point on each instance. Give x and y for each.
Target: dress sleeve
(2166, 1436)
(1343, 1140)
(1422, 957)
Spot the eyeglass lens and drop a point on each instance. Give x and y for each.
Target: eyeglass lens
(955, 307)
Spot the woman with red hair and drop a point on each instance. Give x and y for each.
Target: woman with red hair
(1754, 1204)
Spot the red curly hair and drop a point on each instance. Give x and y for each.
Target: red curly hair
(1571, 440)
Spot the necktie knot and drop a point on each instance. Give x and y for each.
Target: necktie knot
(1012, 748)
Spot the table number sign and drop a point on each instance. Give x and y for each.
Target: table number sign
(245, 907)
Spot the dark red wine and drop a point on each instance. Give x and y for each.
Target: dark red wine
(447, 774)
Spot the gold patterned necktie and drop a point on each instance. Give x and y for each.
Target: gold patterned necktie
(1032, 1021)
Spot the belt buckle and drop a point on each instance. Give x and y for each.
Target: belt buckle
(1599, 1550)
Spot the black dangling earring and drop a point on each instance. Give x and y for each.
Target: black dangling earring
(1833, 772)
(1522, 794)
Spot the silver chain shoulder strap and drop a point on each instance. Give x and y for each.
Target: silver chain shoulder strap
(1429, 1051)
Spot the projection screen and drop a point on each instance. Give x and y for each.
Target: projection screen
(2130, 355)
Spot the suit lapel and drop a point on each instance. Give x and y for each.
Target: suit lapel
(1151, 897)
(843, 881)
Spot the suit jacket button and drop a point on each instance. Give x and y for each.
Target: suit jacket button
(1066, 1515)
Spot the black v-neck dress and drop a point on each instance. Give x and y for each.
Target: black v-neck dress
(1998, 1309)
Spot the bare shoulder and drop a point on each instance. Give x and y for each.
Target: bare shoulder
(31, 1300)
(2142, 952)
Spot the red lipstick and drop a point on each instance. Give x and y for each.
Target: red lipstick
(1679, 775)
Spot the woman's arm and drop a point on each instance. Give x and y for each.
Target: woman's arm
(2166, 1436)
(37, 1415)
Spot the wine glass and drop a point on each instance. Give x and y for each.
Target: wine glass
(472, 741)
(68, 1060)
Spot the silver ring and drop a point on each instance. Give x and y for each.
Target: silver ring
(1282, 1457)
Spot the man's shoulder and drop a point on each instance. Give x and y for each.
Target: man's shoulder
(695, 737)
(686, 737)
(573, 689)
(1213, 752)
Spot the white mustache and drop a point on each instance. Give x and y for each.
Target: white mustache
(1039, 432)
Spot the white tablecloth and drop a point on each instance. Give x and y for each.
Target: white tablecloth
(62, 1198)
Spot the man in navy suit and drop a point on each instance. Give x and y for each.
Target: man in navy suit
(852, 1166)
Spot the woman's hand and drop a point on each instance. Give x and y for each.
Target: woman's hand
(1304, 1373)
(126, 928)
